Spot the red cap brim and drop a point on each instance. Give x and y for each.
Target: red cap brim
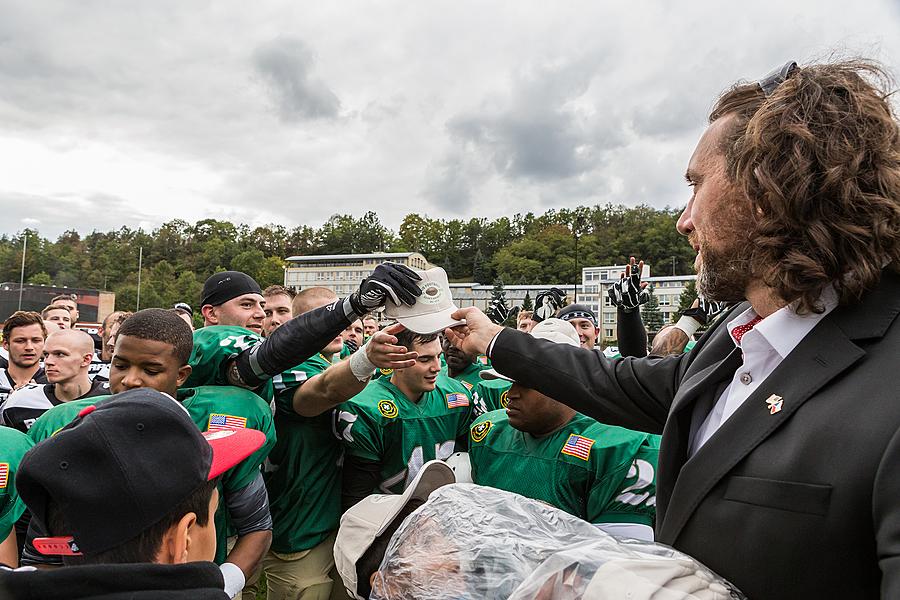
(231, 446)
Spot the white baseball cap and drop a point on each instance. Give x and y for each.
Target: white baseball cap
(555, 330)
(432, 310)
(369, 518)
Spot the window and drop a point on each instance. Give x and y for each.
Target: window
(609, 318)
(665, 300)
(609, 333)
(607, 302)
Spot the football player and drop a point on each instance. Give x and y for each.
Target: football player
(67, 357)
(23, 340)
(459, 365)
(544, 450)
(398, 423)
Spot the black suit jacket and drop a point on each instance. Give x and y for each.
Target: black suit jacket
(802, 503)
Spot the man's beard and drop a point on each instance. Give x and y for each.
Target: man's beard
(725, 275)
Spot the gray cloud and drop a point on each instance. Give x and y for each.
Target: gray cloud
(52, 215)
(285, 65)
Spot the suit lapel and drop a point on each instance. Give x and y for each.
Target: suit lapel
(822, 355)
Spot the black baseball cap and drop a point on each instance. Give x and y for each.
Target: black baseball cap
(121, 466)
(577, 311)
(227, 285)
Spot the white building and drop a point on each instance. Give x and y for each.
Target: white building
(596, 283)
(476, 294)
(342, 273)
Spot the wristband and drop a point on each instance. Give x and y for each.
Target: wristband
(234, 579)
(689, 325)
(360, 365)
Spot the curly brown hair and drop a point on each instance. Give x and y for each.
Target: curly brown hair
(819, 161)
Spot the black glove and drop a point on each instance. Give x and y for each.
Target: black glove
(500, 314)
(711, 307)
(351, 346)
(627, 293)
(547, 303)
(389, 281)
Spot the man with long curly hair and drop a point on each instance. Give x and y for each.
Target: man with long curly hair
(780, 459)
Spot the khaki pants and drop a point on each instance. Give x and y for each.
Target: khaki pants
(306, 575)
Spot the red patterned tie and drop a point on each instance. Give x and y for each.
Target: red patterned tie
(738, 332)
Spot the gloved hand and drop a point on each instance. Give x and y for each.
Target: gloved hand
(351, 346)
(629, 292)
(711, 307)
(388, 281)
(499, 314)
(547, 303)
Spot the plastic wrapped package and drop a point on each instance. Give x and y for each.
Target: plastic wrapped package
(470, 542)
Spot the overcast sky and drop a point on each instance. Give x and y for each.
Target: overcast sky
(135, 113)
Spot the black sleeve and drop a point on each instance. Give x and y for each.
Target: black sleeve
(630, 392)
(292, 343)
(631, 333)
(248, 507)
(360, 478)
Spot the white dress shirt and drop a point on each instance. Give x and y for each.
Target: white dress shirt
(763, 347)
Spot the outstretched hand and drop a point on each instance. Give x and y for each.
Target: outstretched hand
(475, 336)
(629, 292)
(547, 303)
(383, 352)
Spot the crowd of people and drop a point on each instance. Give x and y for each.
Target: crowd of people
(391, 445)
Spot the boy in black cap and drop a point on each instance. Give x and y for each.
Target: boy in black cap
(584, 321)
(230, 349)
(131, 480)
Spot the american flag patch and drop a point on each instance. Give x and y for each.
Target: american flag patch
(578, 446)
(456, 400)
(219, 422)
(4, 474)
(467, 385)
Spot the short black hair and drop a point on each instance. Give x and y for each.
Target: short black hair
(161, 325)
(407, 338)
(371, 559)
(145, 546)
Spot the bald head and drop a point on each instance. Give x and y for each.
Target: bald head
(67, 356)
(311, 299)
(74, 339)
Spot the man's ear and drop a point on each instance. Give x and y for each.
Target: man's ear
(209, 314)
(176, 541)
(183, 373)
(86, 359)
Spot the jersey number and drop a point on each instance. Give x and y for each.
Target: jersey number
(634, 494)
(416, 460)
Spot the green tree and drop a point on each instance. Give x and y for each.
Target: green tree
(653, 318)
(527, 303)
(41, 278)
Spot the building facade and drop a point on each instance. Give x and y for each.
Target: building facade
(476, 294)
(596, 284)
(342, 273)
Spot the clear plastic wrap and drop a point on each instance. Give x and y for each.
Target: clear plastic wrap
(470, 542)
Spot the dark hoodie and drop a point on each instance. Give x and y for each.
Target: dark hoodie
(142, 581)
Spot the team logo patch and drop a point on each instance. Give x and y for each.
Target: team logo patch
(386, 372)
(219, 422)
(480, 430)
(467, 385)
(4, 475)
(387, 409)
(431, 293)
(504, 398)
(457, 400)
(578, 446)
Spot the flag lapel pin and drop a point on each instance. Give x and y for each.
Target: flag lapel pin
(774, 403)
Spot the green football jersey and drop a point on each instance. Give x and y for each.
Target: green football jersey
(209, 407)
(597, 472)
(469, 376)
(490, 394)
(59, 416)
(213, 347)
(220, 407)
(381, 424)
(303, 473)
(13, 446)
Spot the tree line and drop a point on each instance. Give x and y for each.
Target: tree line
(178, 256)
